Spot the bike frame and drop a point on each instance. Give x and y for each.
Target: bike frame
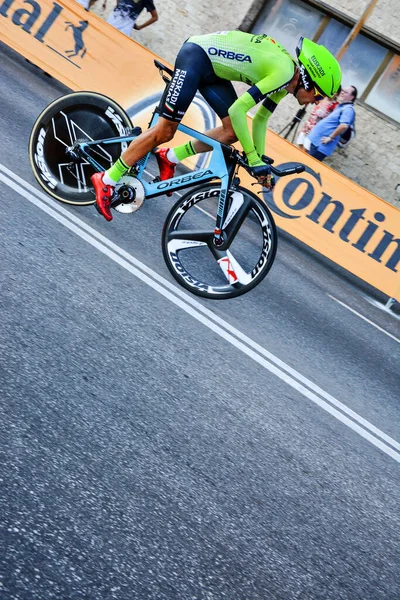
(220, 167)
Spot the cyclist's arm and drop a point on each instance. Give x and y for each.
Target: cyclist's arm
(238, 114)
(261, 117)
(272, 84)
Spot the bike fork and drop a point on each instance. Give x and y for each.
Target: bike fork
(223, 204)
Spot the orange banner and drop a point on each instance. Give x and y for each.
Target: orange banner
(336, 217)
(85, 53)
(78, 48)
(323, 209)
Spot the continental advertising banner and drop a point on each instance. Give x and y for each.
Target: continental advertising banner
(78, 48)
(336, 217)
(326, 211)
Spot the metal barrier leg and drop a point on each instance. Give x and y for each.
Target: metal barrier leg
(391, 302)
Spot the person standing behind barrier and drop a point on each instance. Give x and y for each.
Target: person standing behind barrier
(87, 4)
(124, 15)
(320, 110)
(324, 137)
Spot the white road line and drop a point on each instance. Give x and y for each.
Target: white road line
(187, 303)
(365, 319)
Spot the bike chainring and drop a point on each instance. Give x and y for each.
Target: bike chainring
(129, 195)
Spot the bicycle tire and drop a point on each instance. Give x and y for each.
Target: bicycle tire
(251, 252)
(78, 115)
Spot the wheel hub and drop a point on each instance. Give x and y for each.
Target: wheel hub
(129, 195)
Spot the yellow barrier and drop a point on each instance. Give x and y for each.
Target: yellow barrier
(78, 48)
(323, 209)
(337, 217)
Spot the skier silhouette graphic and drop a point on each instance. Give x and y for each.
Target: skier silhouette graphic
(78, 38)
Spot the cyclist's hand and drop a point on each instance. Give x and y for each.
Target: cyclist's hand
(262, 173)
(260, 170)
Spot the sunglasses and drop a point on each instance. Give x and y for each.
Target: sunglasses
(317, 95)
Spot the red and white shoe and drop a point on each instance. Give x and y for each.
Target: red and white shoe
(104, 194)
(167, 168)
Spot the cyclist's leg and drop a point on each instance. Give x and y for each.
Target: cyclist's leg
(162, 132)
(104, 183)
(220, 95)
(193, 69)
(185, 81)
(192, 65)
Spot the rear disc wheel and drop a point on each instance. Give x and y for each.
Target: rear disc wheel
(77, 116)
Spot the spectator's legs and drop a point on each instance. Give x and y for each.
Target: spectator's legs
(315, 153)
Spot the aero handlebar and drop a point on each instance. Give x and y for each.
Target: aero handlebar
(278, 172)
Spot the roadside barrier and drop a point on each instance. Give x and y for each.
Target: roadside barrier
(336, 217)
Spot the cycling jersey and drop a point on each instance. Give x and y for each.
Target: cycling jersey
(226, 56)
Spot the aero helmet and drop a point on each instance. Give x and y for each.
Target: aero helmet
(318, 68)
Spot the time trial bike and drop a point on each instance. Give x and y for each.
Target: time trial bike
(219, 239)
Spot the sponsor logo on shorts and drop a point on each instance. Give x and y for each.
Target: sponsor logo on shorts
(174, 89)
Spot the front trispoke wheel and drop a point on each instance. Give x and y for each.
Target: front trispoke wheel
(239, 263)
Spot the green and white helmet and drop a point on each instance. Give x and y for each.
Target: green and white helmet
(318, 68)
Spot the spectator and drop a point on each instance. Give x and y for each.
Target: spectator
(89, 3)
(320, 111)
(325, 136)
(124, 15)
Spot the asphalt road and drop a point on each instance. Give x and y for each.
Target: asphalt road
(157, 446)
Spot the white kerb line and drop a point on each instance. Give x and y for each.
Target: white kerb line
(186, 303)
(365, 319)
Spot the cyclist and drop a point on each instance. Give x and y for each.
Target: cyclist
(209, 63)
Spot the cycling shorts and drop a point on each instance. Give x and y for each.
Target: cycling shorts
(194, 72)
